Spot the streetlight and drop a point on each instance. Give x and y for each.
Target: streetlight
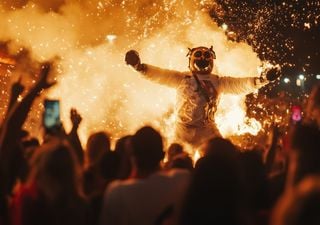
(318, 76)
(301, 77)
(300, 81)
(286, 80)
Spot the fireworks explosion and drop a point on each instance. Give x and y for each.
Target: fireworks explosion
(87, 40)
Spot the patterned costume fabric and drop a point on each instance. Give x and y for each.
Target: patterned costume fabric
(195, 123)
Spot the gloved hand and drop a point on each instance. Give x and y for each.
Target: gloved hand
(132, 58)
(272, 74)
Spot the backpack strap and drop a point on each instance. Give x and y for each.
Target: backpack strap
(202, 89)
(210, 109)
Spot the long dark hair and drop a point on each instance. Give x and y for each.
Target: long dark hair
(56, 172)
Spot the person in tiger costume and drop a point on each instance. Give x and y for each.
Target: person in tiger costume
(198, 90)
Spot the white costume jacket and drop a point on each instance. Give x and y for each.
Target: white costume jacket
(192, 105)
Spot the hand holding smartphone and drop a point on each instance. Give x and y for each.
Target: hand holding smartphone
(51, 117)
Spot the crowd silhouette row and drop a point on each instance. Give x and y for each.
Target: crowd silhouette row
(56, 182)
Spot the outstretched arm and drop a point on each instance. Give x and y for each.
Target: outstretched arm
(13, 124)
(73, 135)
(246, 85)
(233, 85)
(162, 76)
(19, 112)
(16, 89)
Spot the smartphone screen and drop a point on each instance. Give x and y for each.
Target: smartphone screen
(296, 115)
(51, 116)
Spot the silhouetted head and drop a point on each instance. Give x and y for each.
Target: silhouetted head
(182, 161)
(174, 150)
(305, 142)
(201, 60)
(216, 194)
(255, 178)
(56, 171)
(219, 145)
(122, 145)
(147, 148)
(123, 149)
(98, 143)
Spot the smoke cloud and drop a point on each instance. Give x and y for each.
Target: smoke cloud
(88, 41)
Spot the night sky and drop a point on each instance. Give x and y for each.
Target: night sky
(284, 32)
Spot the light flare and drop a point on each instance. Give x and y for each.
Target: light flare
(196, 156)
(231, 117)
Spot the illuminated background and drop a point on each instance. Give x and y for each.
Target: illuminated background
(88, 40)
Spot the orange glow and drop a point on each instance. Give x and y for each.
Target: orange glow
(6, 59)
(231, 117)
(196, 156)
(90, 40)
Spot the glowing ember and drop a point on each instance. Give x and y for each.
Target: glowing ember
(196, 156)
(6, 59)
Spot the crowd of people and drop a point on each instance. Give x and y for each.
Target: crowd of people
(140, 182)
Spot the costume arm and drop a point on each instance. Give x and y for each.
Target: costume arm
(162, 76)
(234, 85)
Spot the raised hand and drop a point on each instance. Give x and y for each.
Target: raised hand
(132, 58)
(272, 74)
(75, 118)
(17, 88)
(43, 82)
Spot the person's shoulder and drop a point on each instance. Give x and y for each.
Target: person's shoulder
(116, 189)
(121, 184)
(179, 177)
(178, 173)
(28, 191)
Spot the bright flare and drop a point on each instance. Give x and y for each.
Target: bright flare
(231, 117)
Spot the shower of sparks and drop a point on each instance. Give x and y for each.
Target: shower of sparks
(280, 31)
(109, 95)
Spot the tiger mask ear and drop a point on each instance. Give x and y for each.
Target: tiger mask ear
(213, 52)
(189, 52)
